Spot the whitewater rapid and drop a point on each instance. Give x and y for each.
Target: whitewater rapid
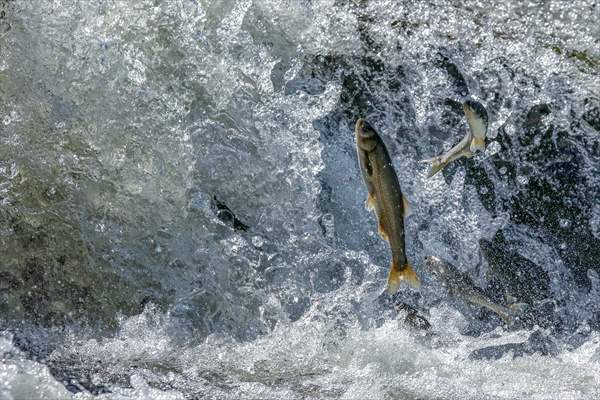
(181, 209)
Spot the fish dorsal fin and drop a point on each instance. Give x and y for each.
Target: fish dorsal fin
(401, 272)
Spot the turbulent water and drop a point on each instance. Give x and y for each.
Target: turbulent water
(181, 209)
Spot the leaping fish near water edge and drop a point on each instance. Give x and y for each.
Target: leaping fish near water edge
(473, 141)
(461, 286)
(386, 198)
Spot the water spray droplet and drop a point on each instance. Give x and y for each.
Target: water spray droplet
(493, 148)
(564, 223)
(257, 241)
(509, 129)
(522, 179)
(328, 223)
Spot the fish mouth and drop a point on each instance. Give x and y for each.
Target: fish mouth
(366, 137)
(364, 129)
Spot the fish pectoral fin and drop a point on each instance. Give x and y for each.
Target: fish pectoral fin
(477, 144)
(370, 203)
(382, 232)
(406, 206)
(399, 273)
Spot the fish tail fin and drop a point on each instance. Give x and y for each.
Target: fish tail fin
(508, 314)
(435, 166)
(477, 144)
(399, 273)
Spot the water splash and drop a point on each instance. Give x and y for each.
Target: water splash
(121, 125)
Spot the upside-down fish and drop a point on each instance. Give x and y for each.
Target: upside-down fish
(385, 197)
(461, 149)
(473, 141)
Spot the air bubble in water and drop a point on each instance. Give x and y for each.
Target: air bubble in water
(137, 72)
(257, 241)
(12, 117)
(502, 170)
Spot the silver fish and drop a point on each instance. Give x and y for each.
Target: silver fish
(386, 198)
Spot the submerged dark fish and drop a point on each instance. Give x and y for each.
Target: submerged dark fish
(461, 286)
(386, 198)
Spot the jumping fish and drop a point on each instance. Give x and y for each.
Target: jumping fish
(461, 286)
(473, 141)
(385, 197)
